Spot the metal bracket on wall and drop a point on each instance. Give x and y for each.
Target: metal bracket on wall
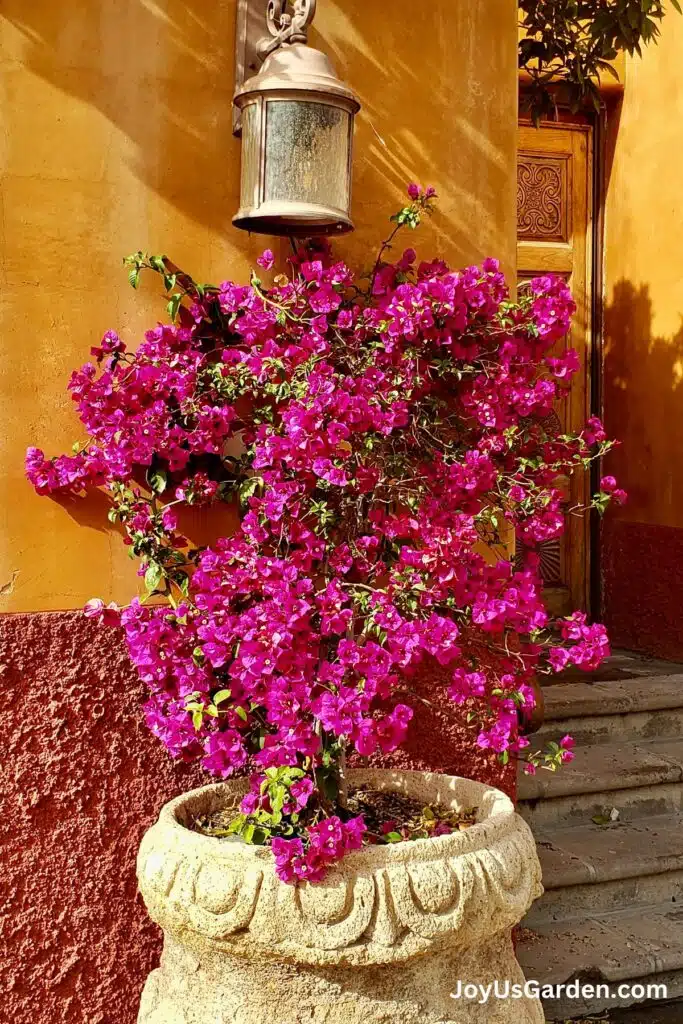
(251, 19)
(252, 46)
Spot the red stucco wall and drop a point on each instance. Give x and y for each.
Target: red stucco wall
(642, 567)
(439, 740)
(81, 779)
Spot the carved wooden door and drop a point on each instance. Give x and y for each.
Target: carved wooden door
(554, 234)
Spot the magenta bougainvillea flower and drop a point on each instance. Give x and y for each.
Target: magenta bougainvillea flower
(382, 440)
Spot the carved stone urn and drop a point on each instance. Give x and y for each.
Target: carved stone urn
(387, 937)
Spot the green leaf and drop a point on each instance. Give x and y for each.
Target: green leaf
(157, 480)
(197, 719)
(174, 305)
(604, 65)
(134, 276)
(241, 713)
(277, 798)
(393, 837)
(249, 487)
(153, 576)
(182, 581)
(222, 695)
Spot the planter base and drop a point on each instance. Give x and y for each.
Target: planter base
(192, 988)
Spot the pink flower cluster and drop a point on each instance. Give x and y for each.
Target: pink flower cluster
(328, 841)
(587, 648)
(378, 443)
(135, 409)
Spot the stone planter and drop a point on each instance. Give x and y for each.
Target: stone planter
(385, 938)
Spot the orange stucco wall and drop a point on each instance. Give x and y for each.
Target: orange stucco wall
(642, 556)
(115, 135)
(644, 283)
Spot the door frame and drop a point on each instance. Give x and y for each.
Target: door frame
(596, 124)
(597, 349)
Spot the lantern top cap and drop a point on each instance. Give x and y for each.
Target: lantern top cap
(297, 68)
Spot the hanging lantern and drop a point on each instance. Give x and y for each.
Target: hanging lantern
(297, 134)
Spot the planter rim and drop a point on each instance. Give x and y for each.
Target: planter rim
(495, 814)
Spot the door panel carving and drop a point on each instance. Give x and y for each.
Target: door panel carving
(543, 208)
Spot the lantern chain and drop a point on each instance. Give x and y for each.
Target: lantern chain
(286, 28)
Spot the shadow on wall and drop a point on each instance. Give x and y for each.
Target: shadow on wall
(162, 73)
(643, 393)
(642, 544)
(202, 526)
(434, 109)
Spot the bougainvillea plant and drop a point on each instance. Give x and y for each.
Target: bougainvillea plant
(382, 440)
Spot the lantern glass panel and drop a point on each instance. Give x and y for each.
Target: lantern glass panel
(251, 155)
(307, 153)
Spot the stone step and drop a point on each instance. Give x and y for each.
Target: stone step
(650, 1013)
(622, 665)
(580, 865)
(617, 696)
(635, 946)
(612, 911)
(607, 767)
(602, 729)
(576, 902)
(603, 853)
(581, 808)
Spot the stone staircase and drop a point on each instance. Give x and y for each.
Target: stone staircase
(613, 907)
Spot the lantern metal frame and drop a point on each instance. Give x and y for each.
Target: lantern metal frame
(296, 73)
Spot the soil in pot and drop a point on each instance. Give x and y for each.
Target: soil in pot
(389, 817)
